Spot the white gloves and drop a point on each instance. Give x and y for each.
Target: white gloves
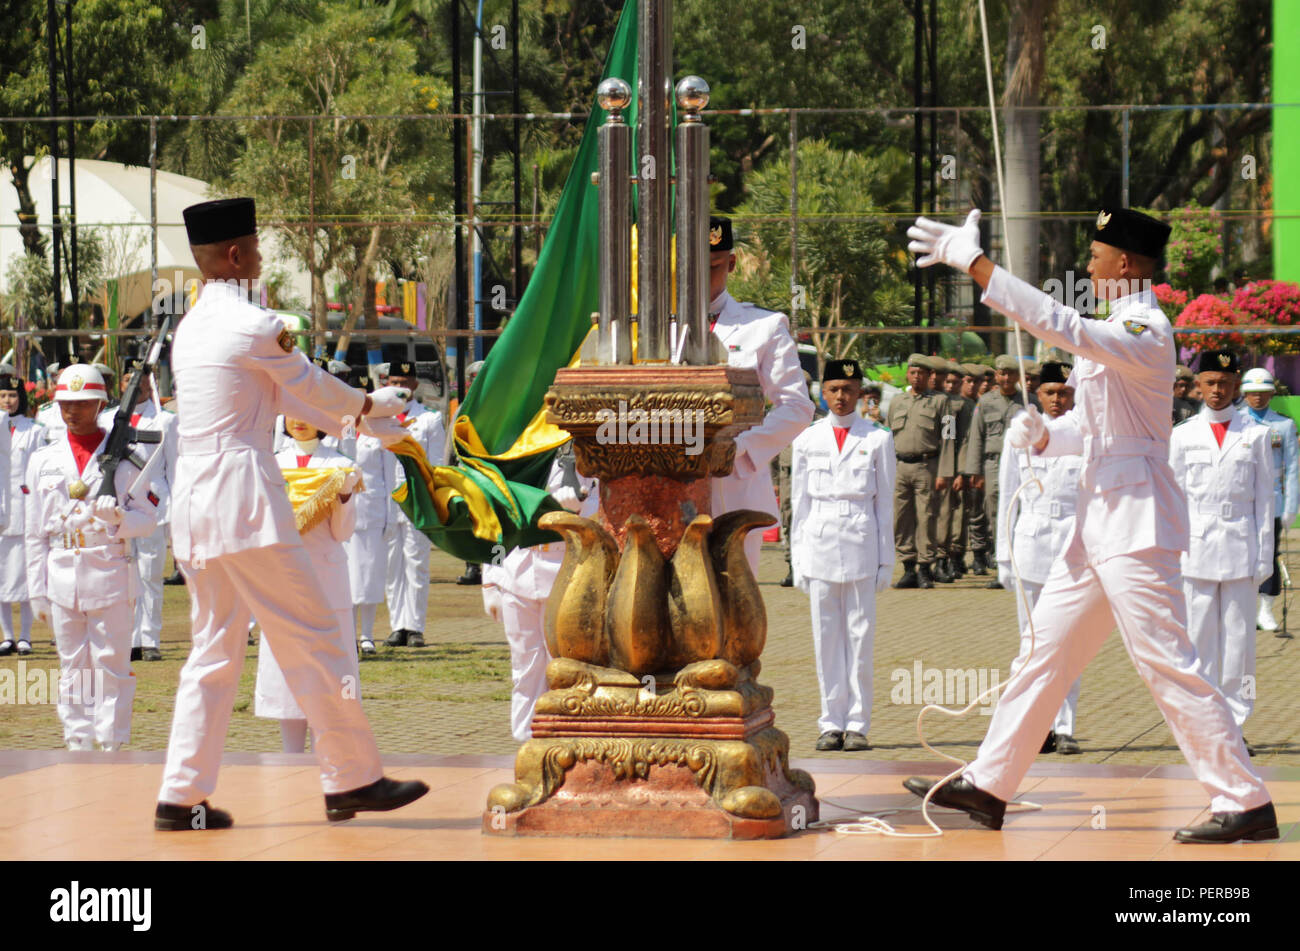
(41, 608)
(387, 430)
(492, 601)
(1005, 577)
(350, 482)
(946, 244)
(388, 401)
(884, 575)
(1027, 428)
(106, 510)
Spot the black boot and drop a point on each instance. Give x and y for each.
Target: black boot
(924, 579)
(942, 573)
(958, 566)
(397, 638)
(473, 574)
(174, 578)
(977, 566)
(909, 579)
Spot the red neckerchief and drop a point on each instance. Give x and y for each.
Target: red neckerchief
(841, 432)
(83, 447)
(1219, 430)
(135, 420)
(304, 461)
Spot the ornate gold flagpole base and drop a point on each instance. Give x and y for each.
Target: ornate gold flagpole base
(654, 724)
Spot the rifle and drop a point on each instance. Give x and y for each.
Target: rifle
(123, 435)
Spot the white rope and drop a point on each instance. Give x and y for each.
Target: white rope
(874, 823)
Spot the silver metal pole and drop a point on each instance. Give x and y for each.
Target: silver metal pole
(614, 334)
(153, 214)
(654, 247)
(693, 222)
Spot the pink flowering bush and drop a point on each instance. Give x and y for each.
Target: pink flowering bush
(1258, 304)
(1208, 310)
(1170, 299)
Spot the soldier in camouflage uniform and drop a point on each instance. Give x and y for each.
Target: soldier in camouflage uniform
(952, 509)
(993, 414)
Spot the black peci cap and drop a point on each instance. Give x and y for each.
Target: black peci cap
(841, 370)
(1219, 361)
(223, 220)
(1054, 372)
(720, 238)
(1131, 230)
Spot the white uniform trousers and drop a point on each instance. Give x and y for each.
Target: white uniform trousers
(280, 586)
(1142, 594)
(1221, 622)
(96, 685)
(844, 631)
(523, 619)
(1065, 716)
(272, 697)
(150, 555)
(408, 577)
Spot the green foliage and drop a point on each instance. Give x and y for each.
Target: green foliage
(1195, 247)
(29, 278)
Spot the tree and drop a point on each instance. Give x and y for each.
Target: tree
(341, 190)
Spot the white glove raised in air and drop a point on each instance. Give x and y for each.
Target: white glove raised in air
(106, 510)
(938, 243)
(1027, 428)
(387, 430)
(388, 401)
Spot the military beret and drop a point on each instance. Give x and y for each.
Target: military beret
(972, 369)
(1131, 230)
(1033, 368)
(1054, 372)
(1219, 361)
(1183, 373)
(919, 360)
(720, 237)
(224, 220)
(841, 370)
(1006, 362)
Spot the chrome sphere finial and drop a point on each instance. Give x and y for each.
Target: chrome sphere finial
(692, 95)
(613, 95)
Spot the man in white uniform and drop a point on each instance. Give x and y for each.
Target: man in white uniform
(1222, 461)
(1121, 563)
(25, 437)
(79, 570)
(518, 589)
(409, 550)
(150, 551)
(757, 338)
(842, 549)
(1258, 387)
(233, 530)
(1041, 522)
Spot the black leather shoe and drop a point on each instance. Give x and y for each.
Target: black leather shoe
(1066, 745)
(380, 796)
(414, 639)
(175, 578)
(368, 647)
(7, 648)
(1250, 750)
(473, 574)
(25, 648)
(1049, 744)
(958, 566)
(830, 740)
(995, 584)
(152, 653)
(137, 653)
(397, 638)
(924, 579)
(788, 581)
(942, 573)
(855, 742)
(977, 566)
(1253, 825)
(984, 808)
(170, 818)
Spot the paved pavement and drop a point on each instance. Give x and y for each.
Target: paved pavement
(453, 695)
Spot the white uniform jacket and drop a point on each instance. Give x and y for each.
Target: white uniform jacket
(761, 339)
(324, 542)
(375, 508)
(1286, 463)
(232, 378)
(80, 564)
(842, 502)
(1229, 497)
(1122, 416)
(529, 573)
(425, 426)
(150, 420)
(1041, 520)
(50, 421)
(26, 438)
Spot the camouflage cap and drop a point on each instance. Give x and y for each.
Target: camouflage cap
(1006, 362)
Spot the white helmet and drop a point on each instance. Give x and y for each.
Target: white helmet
(1258, 380)
(81, 381)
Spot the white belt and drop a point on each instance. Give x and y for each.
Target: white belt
(223, 442)
(1054, 509)
(837, 508)
(1095, 447)
(1226, 509)
(77, 541)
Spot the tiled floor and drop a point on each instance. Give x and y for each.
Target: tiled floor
(88, 806)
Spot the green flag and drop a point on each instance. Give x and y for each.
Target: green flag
(504, 445)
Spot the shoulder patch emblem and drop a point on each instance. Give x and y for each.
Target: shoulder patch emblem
(285, 340)
(1135, 327)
